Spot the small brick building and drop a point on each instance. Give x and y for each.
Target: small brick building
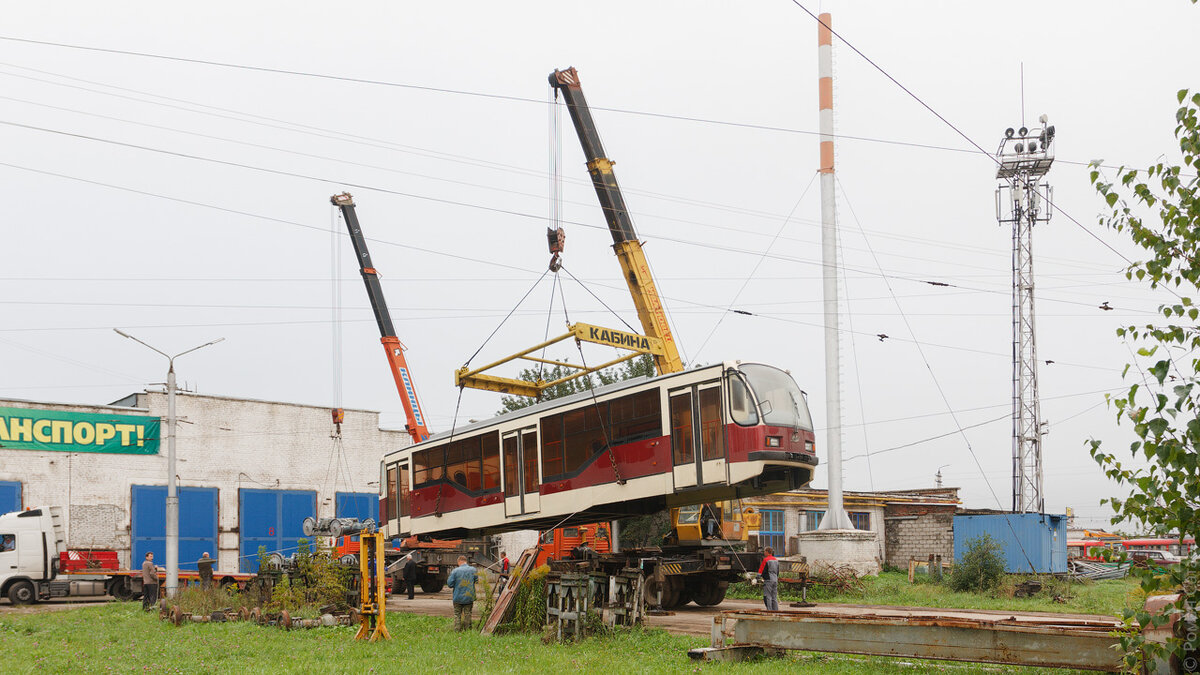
(909, 524)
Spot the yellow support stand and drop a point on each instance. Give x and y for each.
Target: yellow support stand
(372, 589)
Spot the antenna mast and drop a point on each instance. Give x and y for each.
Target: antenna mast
(1023, 200)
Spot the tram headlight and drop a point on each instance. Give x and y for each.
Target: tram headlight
(808, 446)
(774, 441)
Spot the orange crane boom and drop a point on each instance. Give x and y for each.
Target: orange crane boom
(415, 425)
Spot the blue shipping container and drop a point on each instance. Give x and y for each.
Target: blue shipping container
(272, 519)
(1033, 542)
(10, 496)
(197, 524)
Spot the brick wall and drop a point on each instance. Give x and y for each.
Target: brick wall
(917, 532)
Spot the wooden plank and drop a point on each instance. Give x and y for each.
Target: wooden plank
(504, 603)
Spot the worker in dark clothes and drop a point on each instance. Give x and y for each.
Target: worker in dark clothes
(204, 565)
(149, 582)
(769, 571)
(712, 524)
(409, 572)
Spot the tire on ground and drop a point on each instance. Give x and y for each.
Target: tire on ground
(22, 593)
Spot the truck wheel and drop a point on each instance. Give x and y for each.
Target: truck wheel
(432, 585)
(710, 594)
(22, 593)
(119, 589)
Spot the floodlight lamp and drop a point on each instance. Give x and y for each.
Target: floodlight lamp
(1019, 147)
(1022, 131)
(1044, 118)
(1033, 146)
(1008, 133)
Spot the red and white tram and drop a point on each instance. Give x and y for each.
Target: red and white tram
(708, 434)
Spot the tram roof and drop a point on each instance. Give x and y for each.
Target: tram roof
(564, 401)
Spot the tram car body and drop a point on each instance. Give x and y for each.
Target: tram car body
(713, 433)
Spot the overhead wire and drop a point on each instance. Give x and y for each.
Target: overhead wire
(417, 150)
(511, 98)
(757, 264)
(950, 124)
(413, 195)
(941, 392)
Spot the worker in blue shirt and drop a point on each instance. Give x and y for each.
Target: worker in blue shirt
(462, 583)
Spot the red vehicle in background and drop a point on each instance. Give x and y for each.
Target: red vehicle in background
(1093, 549)
(1170, 544)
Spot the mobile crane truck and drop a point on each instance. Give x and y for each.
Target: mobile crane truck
(689, 567)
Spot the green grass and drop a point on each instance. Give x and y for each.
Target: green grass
(892, 588)
(119, 636)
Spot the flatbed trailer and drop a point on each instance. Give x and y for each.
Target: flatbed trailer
(127, 584)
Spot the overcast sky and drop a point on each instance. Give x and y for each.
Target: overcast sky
(185, 201)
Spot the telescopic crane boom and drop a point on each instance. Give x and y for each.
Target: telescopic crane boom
(625, 242)
(391, 344)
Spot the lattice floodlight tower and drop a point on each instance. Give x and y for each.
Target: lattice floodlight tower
(1024, 200)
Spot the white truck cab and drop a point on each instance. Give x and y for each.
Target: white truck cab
(30, 544)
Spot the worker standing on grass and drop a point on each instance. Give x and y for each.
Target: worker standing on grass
(149, 582)
(462, 582)
(204, 566)
(769, 571)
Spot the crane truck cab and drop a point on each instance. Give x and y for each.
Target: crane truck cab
(30, 544)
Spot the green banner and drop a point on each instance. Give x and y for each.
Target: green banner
(62, 431)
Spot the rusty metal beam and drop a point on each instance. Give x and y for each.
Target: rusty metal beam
(952, 635)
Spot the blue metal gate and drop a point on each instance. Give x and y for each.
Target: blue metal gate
(361, 505)
(197, 524)
(10, 496)
(272, 519)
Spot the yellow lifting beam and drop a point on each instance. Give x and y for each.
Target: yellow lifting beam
(582, 332)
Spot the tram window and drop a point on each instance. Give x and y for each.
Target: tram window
(529, 447)
(712, 439)
(741, 406)
(491, 461)
(584, 437)
(403, 491)
(510, 467)
(463, 463)
(428, 465)
(552, 446)
(391, 493)
(636, 417)
(681, 428)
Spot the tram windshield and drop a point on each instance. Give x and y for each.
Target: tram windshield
(779, 399)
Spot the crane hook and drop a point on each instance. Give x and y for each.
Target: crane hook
(557, 239)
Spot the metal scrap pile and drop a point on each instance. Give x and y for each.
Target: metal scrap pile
(1084, 569)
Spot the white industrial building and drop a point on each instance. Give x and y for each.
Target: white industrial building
(248, 471)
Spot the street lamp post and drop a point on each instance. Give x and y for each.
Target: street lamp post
(172, 494)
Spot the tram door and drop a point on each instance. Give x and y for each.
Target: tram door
(521, 487)
(698, 436)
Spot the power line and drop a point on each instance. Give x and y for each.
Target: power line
(523, 99)
(950, 124)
